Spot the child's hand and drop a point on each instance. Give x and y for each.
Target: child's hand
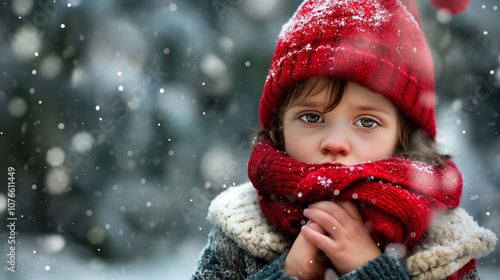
(342, 236)
(305, 261)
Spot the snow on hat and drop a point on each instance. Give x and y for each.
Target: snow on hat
(378, 44)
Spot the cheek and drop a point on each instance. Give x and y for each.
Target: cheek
(379, 150)
(298, 148)
(375, 154)
(293, 148)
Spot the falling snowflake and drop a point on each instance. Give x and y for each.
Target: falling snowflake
(325, 182)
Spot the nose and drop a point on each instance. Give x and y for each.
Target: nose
(335, 141)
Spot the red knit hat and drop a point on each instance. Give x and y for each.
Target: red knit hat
(378, 44)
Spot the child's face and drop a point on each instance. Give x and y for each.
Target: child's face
(362, 127)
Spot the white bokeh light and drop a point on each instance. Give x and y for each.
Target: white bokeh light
(51, 66)
(219, 166)
(74, 3)
(226, 44)
(261, 9)
(26, 41)
(177, 103)
(51, 244)
(55, 156)
(57, 181)
(96, 235)
(77, 77)
(17, 107)
(212, 66)
(82, 142)
(3, 202)
(22, 7)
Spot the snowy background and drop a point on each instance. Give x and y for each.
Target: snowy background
(123, 119)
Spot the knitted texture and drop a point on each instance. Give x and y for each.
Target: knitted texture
(447, 249)
(377, 269)
(243, 221)
(377, 44)
(399, 198)
(224, 259)
(471, 265)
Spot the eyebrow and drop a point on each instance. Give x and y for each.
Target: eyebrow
(371, 108)
(307, 104)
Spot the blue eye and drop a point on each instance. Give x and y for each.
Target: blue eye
(311, 118)
(366, 123)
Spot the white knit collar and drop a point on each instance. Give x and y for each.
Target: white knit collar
(453, 240)
(237, 212)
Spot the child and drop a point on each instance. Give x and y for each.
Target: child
(345, 175)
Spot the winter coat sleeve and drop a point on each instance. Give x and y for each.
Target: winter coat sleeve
(385, 266)
(223, 259)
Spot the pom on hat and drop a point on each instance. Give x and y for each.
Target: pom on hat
(377, 44)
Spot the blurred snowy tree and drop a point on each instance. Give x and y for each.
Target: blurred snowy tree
(123, 119)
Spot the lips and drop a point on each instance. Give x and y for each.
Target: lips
(333, 163)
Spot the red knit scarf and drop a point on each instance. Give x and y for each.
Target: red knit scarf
(398, 198)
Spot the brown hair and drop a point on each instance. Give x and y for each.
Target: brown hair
(413, 141)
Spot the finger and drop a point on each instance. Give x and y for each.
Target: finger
(327, 222)
(302, 241)
(316, 238)
(301, 259)
(316, 227)
(332, 209)
(322, 242)
(304, 248)
(351, 208)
